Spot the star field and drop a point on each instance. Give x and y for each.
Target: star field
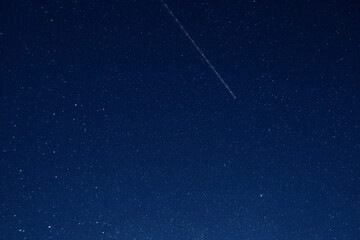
(113, 126)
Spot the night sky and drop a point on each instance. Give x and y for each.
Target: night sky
(112, 125)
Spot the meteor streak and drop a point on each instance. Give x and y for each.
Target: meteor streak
(197, 48)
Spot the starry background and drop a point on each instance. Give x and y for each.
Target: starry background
(113, 127)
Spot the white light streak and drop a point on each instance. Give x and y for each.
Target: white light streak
(198, 49)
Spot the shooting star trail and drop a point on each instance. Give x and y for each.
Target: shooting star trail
(197, 48)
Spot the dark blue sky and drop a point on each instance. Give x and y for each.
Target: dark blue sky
(112, 126)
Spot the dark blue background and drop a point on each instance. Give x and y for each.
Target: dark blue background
(113, 127)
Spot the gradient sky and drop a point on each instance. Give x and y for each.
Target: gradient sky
(112, 126)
